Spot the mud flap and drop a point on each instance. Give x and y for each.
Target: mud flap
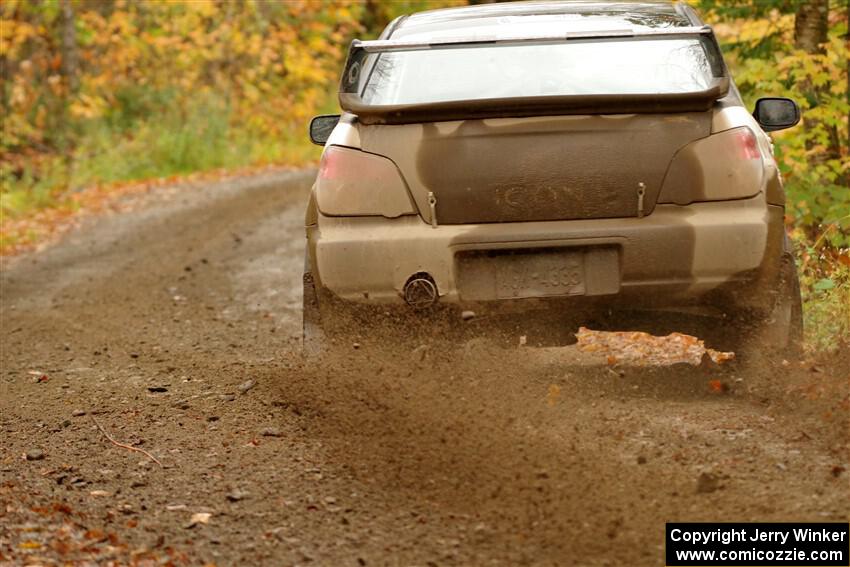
(782, 331)
(312, 334)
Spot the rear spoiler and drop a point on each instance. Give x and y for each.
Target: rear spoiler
(359, 67)
(385, 45)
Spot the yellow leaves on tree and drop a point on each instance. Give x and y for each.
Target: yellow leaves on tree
(271, 64)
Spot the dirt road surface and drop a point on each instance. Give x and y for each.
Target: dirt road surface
(176, 329)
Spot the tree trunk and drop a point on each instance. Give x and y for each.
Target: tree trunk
(811, 27)
(70, 61)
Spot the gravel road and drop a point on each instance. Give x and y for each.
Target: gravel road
(175, 328)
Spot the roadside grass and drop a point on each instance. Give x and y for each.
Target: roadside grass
(165, 142)
(206, 138)
(825, 285)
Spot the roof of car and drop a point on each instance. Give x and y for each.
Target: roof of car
(539, 16)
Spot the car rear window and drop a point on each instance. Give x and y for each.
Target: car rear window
(518, 71)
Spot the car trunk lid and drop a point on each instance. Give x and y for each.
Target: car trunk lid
(536, 168)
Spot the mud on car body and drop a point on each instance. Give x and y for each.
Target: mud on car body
(542, 161)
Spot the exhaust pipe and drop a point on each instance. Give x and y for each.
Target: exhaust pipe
(420, 291)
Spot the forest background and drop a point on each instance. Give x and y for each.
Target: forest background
(99, 94)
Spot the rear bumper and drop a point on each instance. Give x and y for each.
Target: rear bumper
(676, 255)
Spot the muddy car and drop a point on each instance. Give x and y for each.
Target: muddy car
(528, 167)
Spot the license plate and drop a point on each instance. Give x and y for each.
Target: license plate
(540, 275)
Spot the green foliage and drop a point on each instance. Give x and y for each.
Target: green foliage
(825, 284)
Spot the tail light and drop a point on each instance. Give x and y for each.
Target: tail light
(723, 166)
(356, 183)
(330, 166)
(747, 143)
